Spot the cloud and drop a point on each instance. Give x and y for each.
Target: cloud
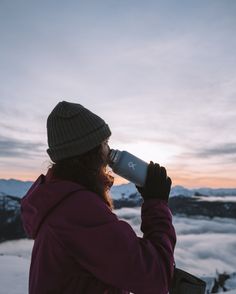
(18, 129)
(204, 254)
(132, 216)
(11, 148)
(203, 245)
(222, 150)
(23, 248)
(203, 225)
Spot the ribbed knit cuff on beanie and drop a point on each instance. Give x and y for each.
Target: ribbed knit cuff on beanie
(73, 130)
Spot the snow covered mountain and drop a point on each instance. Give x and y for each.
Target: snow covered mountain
(14, 187)
(125, 190)
(19, 188)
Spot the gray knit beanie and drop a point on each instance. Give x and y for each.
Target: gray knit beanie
(73, 130)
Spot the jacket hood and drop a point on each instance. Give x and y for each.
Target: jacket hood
(45, 193)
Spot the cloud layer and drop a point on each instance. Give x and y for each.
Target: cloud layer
(203, 245)
(10, 147)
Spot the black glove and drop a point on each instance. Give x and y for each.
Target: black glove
(157, 184)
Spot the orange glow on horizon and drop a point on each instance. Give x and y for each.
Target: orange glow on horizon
(188, 181)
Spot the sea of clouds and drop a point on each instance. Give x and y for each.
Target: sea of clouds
(203, 247)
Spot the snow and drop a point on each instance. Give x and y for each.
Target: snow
(13, 274)
(20, 248)
(14, 187)
(203, 247)
(126, 190)
(232, 283)
(123, 190)
(217, 198)
(19, 188)
(216, 192)
(179, 190)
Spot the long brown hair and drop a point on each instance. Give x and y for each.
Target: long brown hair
(88, 169)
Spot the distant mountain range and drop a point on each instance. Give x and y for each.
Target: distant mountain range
(14, 187)
(19, 188)
(189, 202)
(125, 190)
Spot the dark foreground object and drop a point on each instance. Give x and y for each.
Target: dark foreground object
(192, 206)
(184, 282)
(10, 221)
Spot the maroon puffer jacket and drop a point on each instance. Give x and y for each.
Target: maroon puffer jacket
(82, 247)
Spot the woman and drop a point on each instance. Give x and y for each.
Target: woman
(80, 246)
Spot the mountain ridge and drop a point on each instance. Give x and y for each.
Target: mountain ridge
(19, 188)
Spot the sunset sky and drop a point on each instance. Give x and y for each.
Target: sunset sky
(162, 74)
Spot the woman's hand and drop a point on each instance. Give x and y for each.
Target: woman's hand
(157, 184)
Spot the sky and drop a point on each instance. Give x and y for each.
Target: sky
(162, 74)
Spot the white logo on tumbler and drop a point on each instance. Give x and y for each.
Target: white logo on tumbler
(131, 165)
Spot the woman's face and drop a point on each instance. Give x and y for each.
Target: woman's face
(105, 149)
